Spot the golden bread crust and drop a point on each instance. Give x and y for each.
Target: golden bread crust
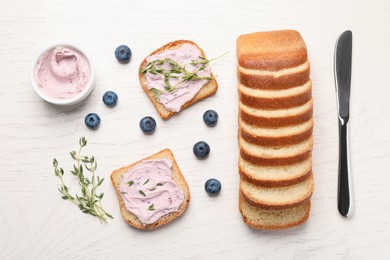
(279, 49)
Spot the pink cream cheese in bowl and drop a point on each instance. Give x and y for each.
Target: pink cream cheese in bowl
(62, 75)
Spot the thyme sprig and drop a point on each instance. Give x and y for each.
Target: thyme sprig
(89, 202)
(176, 70)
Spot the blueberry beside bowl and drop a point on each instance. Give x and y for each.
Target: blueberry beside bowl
(123, 54)
(110, 98)
(92, 121)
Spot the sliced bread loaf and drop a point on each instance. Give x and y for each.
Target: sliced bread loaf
(278, 197)
(275, 129)
(273, 219)
(178, 178)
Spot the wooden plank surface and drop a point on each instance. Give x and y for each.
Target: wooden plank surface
(36, 224)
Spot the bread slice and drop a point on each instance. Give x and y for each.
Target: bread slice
(278, 197)
(275, 99)
(278, 117)
(273, 219)
(274, 176)
(274, 50)
(276, 137)
(177, 176)
(207, 90)
(269, 156)
(275, 80)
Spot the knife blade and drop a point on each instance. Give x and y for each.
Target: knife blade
(342, 74)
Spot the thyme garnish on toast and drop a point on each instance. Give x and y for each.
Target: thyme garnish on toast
(89, 202)
(176, 70)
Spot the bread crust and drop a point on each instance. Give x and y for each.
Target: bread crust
(305, 217)
(275, 161)
(208, 90)
(269, 82)
(276, 102)
(131, 219)
(275, 122)
(279, 49)
(258, 202)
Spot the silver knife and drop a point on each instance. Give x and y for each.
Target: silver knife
(342, 75)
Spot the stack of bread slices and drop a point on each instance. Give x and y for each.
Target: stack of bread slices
(275, 129)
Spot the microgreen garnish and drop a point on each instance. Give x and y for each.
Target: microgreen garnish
(176, 70)
(129, 183)
(142, 193)
(146, 181)
(89, 202)
(151, 207)
(156, 93)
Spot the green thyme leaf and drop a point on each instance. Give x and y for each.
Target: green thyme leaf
(123, 192)
(129, 183)
(151, 207)
(146, 181)
(159, 184)
(152, 189)
(142, 193)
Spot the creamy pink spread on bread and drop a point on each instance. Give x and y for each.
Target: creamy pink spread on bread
(149, 192)
(62, 72)
(185, 90)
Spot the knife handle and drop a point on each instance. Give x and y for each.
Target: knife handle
(344, 191)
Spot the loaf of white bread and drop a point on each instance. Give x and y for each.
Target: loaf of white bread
(275, 129)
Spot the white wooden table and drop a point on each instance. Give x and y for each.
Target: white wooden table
(36, 224)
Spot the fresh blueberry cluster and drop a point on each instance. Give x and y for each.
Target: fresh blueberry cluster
(148, 124)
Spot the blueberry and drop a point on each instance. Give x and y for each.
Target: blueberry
(210, 117)
(123, 54)
(147, 124)
(201, 150)
(110, 98)
(92, 120)
(212, 186)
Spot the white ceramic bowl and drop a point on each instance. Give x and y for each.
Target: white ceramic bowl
(64, 101)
